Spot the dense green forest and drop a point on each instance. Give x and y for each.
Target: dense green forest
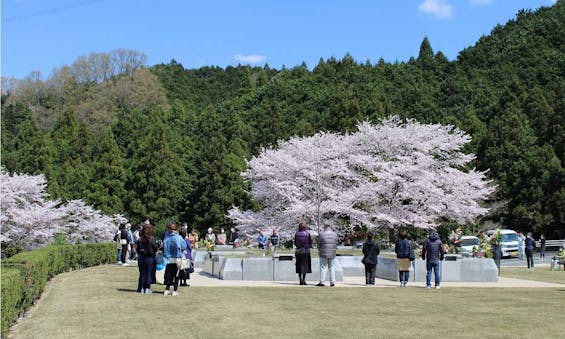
(165, 142)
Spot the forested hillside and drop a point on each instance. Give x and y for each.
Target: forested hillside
(165, 142)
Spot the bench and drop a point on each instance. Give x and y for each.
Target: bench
(551, 243)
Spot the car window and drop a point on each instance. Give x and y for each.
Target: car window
(510, 237)
(469, 242)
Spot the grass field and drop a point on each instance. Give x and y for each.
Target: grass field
(540, 273)
(100, 302)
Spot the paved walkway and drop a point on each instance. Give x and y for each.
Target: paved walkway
(198, 278)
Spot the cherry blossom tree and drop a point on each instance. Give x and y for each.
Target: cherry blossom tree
(29, 219)
(387, 175)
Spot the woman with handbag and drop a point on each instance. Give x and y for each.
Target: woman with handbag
(184, 274)
(303, 243)
(173, 248)
(370, 253)
(404, 255)
(147, 247)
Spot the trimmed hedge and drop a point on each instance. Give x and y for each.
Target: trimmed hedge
(25, 274)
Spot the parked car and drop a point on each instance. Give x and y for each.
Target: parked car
(467, 242)
(509, 242)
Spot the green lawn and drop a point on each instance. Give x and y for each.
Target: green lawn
(100, 302)
(540, 273)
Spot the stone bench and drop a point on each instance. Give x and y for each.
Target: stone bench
(277, 268)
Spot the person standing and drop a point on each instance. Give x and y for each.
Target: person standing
(131, 244)
(222, 237)
(404, 257)
(542, 246)
(530, 246)
(237, 238)
(370, 253)
(173, 248)
(125, 241)
(147, 247)
(274, 241)
(327, 248)
(433, 253)
(117, 239)
(184, 275)
(303, 243)
(520, 246)
(136, 236)
(193, 237)
(261, 240)
(210, 239)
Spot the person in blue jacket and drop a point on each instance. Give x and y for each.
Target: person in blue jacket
(262, 240)
(173, 248)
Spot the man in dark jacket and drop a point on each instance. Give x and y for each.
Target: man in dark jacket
(327, 247)
(433, 252)
(530, 247)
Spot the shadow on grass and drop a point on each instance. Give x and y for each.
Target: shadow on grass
(126, 290)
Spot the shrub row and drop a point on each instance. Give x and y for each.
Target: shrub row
(25, 274)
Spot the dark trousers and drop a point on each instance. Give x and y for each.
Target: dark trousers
(403, 276)
(530, 258)
(171, 277)
(124, 253)
(146, 267)
(370, 273)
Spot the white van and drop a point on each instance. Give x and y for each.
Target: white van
(509, 242)
(466, 245)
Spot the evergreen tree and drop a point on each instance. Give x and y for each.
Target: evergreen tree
(508, 150)
(107, 186)
(158, 183)
(220, 160)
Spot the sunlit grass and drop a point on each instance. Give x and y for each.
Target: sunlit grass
(100, 302)
(540, 273)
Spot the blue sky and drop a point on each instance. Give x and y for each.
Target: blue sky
(40, 35)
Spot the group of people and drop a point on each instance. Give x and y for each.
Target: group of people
(212, 239)
(174, 245)
(125, 243)
(177, 244)
(268, 243)
(433, 252)
(327, 248)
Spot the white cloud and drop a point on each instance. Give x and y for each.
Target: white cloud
(482, 2)
(439, 9)
(250, 58)
(552, 2)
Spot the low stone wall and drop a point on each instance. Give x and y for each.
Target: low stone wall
(277, 268)
(459, 270)
(280, 268)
